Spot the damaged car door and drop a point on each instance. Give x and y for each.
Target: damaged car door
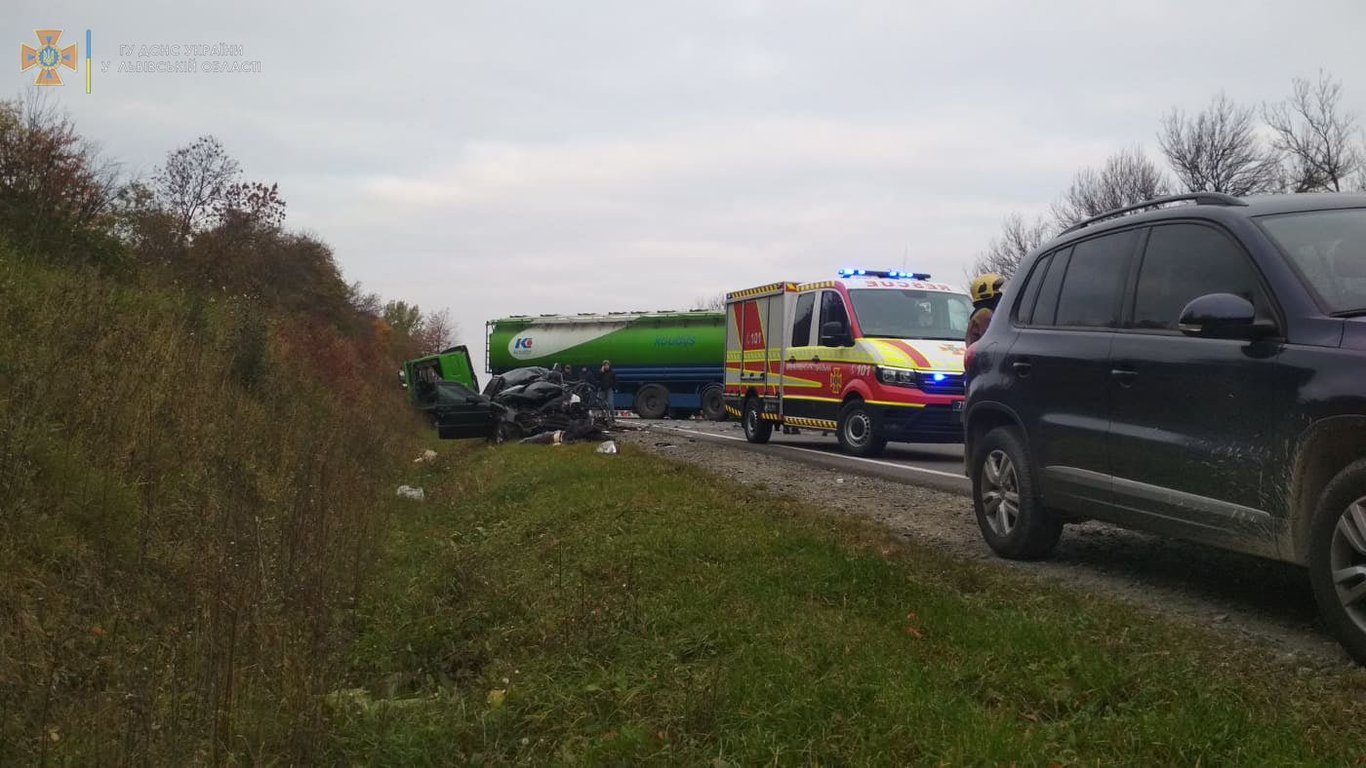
(1192, 401)
(443, 387)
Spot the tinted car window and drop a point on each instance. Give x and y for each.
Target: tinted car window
(1090, 291)
(1046, 309)
(1329, 248)
(801, 327)
(832, 309)
(1185, 261)
(1031, 289)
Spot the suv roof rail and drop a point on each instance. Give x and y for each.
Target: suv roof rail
(1199, 198)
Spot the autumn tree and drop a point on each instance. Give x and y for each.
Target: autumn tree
(55, 189)
(434, 332)
(192, 186)
(403, 317)
(1219, 150)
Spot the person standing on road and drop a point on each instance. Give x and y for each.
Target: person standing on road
(986, 294)
(607, 384)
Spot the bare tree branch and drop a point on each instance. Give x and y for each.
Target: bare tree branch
(1128, 177)
(193, 182)
(1017, 240)
(435, 332)
(717, 302)
(1316, 136)
(1218, 150)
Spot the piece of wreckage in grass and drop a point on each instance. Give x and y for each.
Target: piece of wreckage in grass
(521, 403)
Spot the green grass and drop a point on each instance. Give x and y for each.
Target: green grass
(190, 492)
(553, 605)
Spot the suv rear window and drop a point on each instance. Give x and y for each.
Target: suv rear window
(1030, 294)
(1095, 277)
(1185, 261)
(1046, 310)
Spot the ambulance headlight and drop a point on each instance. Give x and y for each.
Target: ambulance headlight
(897, 377)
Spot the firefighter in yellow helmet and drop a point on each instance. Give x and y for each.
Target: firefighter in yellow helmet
(986, 294)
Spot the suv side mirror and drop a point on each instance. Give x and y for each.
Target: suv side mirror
(835, 334)
(1222, 316)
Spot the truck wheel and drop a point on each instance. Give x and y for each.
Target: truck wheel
(1013, 519)
(756, 429)
(713, 405)
(652, 401)
(1337, 558)
(858, 430)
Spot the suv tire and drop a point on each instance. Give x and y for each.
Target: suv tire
(858, 430)
(1009, 511)
(1337, 545)
(756, 429)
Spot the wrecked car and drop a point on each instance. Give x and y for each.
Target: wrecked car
(522, 403)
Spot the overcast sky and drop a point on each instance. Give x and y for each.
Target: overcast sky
(521, 158)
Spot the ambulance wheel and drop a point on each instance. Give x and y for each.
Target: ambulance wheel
(756, 429)
(858, 430)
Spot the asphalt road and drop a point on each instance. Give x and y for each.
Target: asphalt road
(935, 466)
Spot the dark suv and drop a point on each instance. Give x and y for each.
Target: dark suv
(1193, 366)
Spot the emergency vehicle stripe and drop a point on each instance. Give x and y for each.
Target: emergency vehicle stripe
(761, 290)
(917, 360)
(798, 421)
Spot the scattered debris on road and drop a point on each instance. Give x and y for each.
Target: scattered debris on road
(410, 493)
(427, 457)
(608, 447)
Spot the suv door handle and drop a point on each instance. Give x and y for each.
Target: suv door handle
(1022, 367)
(1125, 376)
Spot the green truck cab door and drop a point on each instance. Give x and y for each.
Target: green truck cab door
(444, 387)
(456, 366)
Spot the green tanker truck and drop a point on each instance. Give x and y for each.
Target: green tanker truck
(666, 362)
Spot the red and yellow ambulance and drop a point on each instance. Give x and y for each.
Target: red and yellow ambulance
(873, 356)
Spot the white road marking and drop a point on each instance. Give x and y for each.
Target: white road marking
(879, 462)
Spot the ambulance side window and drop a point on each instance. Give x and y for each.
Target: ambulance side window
(801, 326)
(832, 309)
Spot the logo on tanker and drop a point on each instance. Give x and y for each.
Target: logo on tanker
(521, 347)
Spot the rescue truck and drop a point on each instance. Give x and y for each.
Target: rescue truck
(873, 356)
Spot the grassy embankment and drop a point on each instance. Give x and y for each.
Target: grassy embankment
(187, 510)
(555, 605)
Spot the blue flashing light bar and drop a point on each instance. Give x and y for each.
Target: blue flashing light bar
(893, 274)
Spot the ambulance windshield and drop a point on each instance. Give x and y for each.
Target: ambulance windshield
(911, 314)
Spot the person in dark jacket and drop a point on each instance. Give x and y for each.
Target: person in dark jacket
(607, 384)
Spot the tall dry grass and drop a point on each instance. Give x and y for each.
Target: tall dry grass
(188, 497)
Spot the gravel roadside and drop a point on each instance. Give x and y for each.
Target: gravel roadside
(1246, 598)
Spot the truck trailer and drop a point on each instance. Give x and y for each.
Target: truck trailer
(665, 362)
